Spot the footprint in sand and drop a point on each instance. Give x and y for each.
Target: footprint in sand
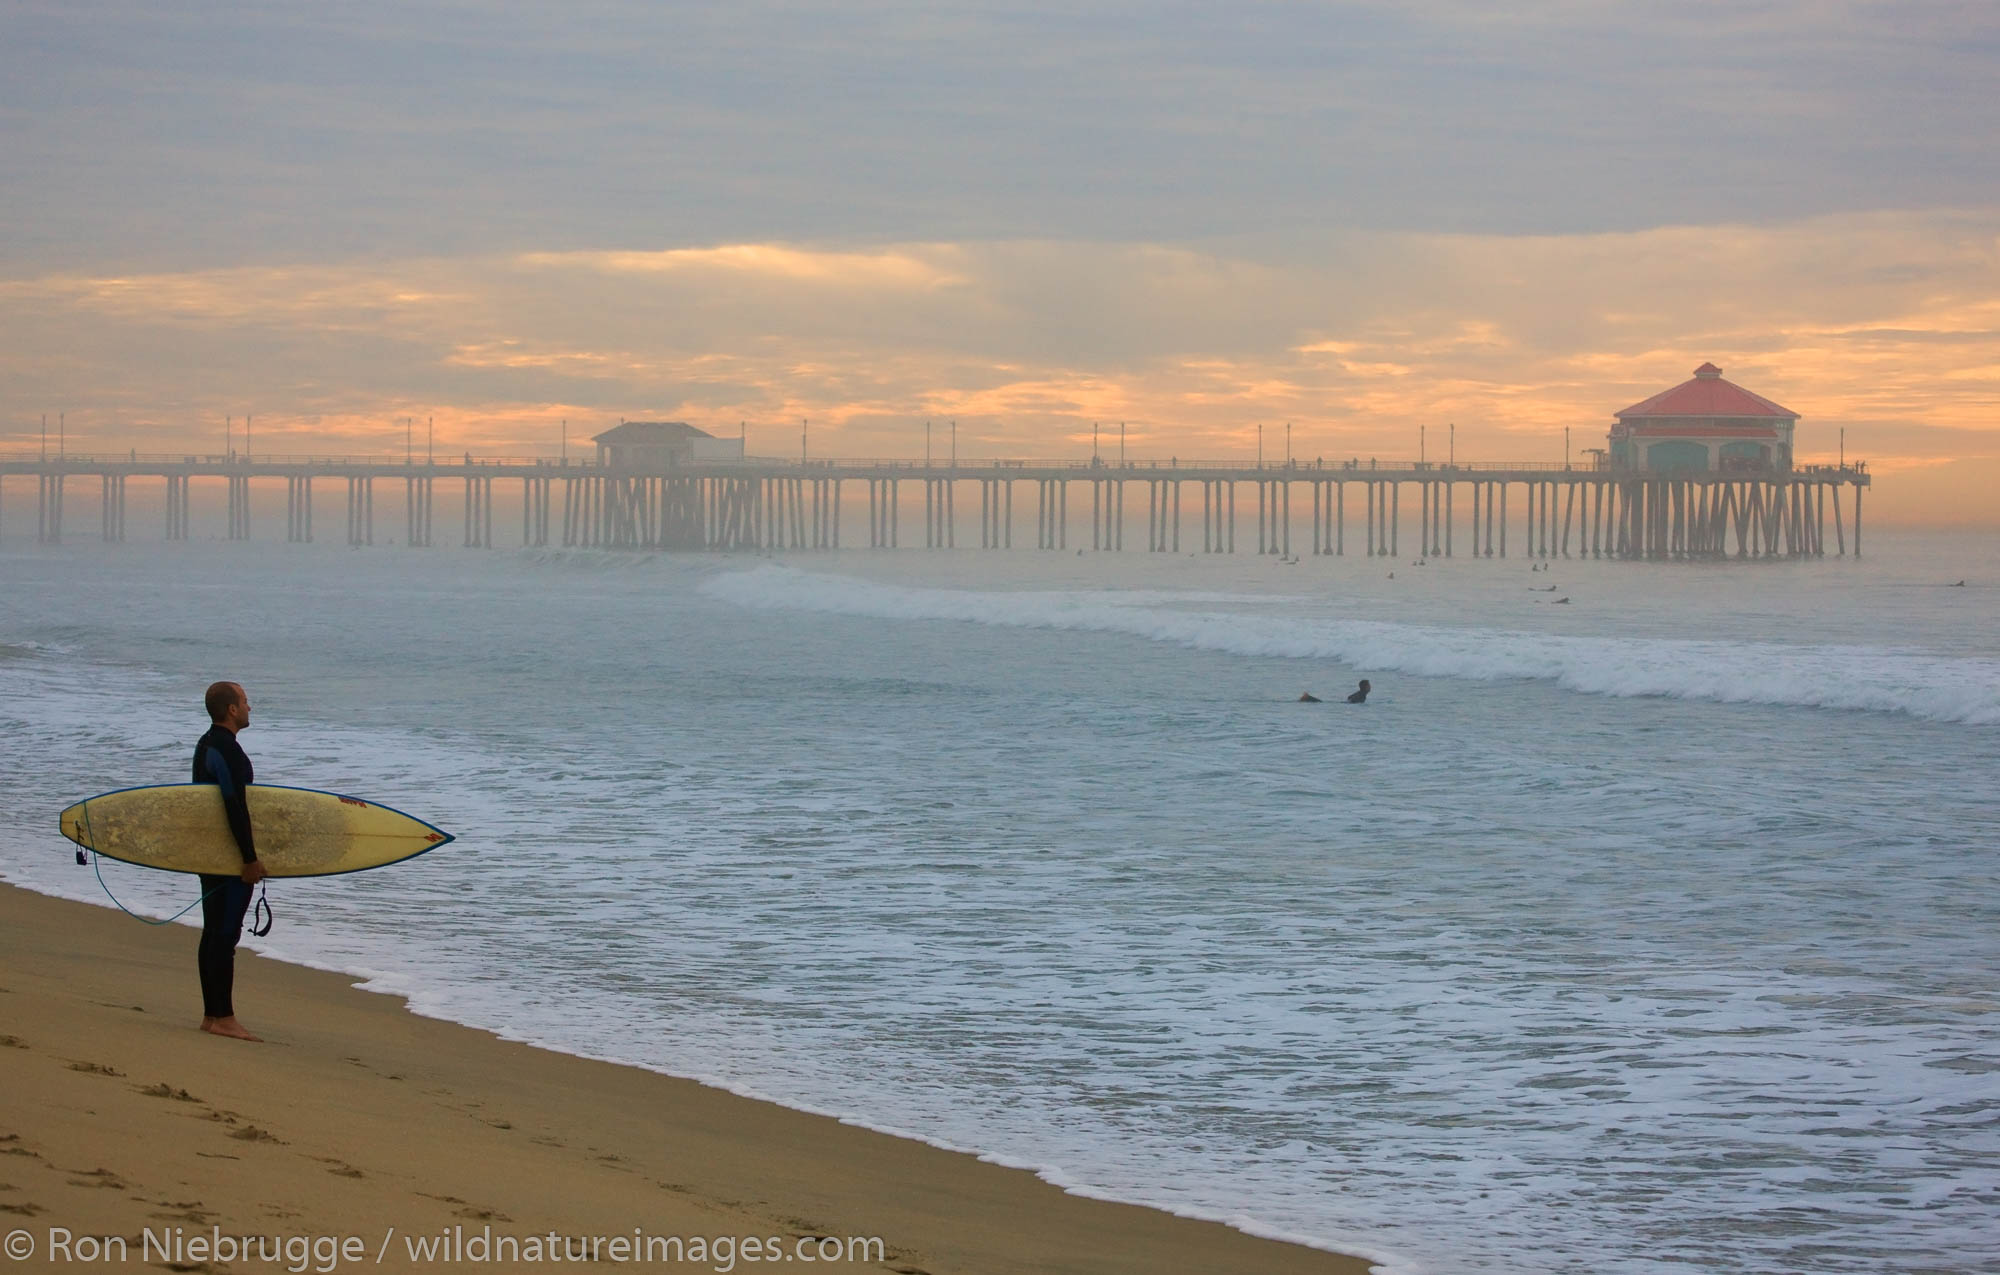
(12, 1042)
(251, 1133)
(481, 1215)
(164, 1090)
(805, 1229)
(95, 1177)
(186, 1211)
(465, 1210)
(95, 1069)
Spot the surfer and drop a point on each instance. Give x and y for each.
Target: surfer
(1360, 695)
(220, 760)
(1307, 697)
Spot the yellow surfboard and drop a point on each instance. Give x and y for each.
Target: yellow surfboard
(299, 832)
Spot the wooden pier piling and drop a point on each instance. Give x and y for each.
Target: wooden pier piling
(779, 507)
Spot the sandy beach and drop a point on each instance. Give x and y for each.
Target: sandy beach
(366, 1136)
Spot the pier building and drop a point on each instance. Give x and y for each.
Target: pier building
(1704, 425)
(653, 446)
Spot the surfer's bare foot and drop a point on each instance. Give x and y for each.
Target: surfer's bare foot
(228, 1027)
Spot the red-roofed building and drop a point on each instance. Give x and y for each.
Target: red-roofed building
(1705, 424)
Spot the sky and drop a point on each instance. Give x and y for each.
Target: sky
(1390, 227)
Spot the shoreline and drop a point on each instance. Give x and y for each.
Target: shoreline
(359, 1115)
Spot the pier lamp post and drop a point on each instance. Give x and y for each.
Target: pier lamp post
(802, 442)
(954, 444)
(1420, 445)
(1121, 446)
(1451, 446)
(1288, 444)
(927, 444)
(1260, 444)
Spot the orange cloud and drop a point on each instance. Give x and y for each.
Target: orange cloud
(1886, 325)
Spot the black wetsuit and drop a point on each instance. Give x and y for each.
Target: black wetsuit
(1359, 697)
(220, 760)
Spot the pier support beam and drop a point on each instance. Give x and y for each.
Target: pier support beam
(417, 505)
(48, 525)
(298, 509)
(239, 506)
(112, 512)
(360, 510)
(535, 513)
(177, 507)
(478, 514)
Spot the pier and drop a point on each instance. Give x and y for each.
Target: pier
(1478, 510)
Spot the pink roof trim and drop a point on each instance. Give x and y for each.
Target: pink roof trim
(1707, 395)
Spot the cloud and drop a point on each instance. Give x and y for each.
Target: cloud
(140, 136)
(896, 270)
(1884, 324)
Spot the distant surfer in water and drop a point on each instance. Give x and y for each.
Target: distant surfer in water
(220, 760)
(1360, 695)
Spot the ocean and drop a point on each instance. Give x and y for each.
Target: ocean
(1652, 930)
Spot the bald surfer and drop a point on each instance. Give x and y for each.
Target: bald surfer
(220, 760)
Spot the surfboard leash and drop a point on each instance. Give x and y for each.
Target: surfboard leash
(96, 866)
(95, 859)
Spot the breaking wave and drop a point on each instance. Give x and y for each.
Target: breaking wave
(1859, 678)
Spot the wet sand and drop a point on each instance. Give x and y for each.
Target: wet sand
(360, 1123)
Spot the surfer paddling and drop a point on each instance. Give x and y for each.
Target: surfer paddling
(220, 760)
(1360, 695)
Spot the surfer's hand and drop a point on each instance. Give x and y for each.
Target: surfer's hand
(253, 872)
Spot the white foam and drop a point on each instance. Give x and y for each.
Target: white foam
(1943, 689)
